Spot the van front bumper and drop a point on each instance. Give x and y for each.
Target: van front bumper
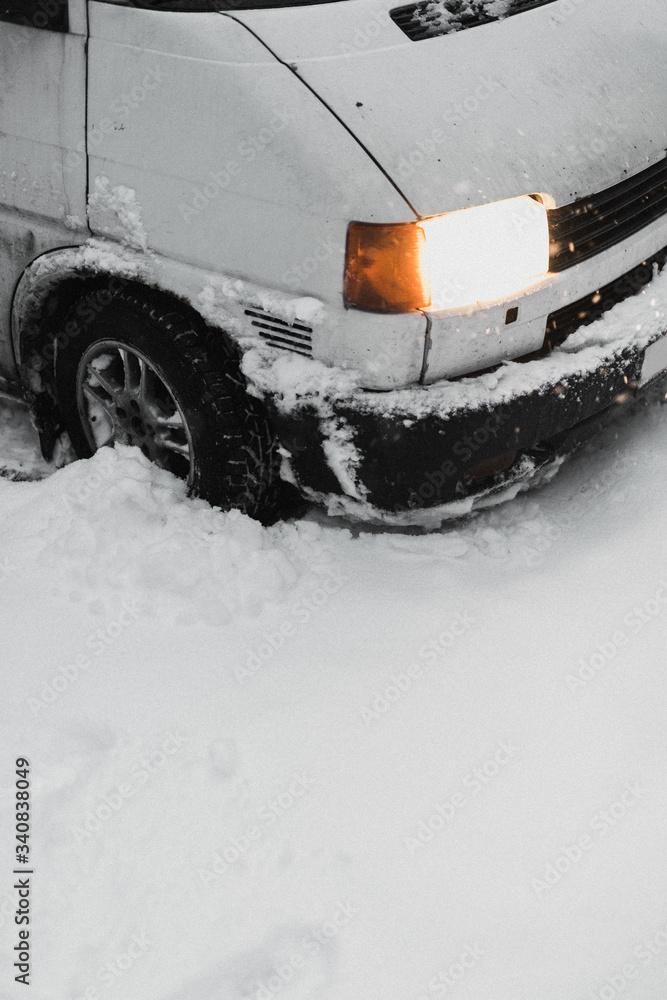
(409, 455)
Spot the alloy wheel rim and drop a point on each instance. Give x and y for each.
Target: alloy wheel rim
(123, 399)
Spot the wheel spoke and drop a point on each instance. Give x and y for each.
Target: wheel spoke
(146, 381)
(107, 409)
(125, 357)
(180, 449)
(175, 421)
(103, 381)
(106, 404)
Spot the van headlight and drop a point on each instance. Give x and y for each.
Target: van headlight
(448, 261)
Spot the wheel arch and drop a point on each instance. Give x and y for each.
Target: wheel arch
(47, 292)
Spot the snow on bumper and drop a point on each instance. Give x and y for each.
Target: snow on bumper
(415, 455)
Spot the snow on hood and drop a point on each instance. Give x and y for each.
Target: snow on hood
(559, 100)
(445, 16)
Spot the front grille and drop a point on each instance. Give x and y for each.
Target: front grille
(566, 321)
(294, 337)
(589, 226)
(562, 323)
(431, 18)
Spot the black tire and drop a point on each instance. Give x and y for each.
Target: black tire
(227, 450)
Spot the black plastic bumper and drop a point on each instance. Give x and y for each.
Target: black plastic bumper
(407, 463)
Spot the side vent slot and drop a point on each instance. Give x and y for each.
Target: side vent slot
(294, 336)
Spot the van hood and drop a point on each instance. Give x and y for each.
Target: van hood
(563, 99)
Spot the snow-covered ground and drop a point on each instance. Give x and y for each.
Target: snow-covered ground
(310, 761)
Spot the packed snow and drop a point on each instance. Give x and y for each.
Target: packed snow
(454, 15)
(121, 205)
(318, 761)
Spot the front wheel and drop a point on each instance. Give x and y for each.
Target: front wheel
(142, 375)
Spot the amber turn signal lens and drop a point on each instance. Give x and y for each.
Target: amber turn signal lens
(384, 267)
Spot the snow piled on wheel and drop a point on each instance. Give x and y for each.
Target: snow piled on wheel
(116, 525)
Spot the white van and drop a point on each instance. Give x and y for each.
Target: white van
(366, 250)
